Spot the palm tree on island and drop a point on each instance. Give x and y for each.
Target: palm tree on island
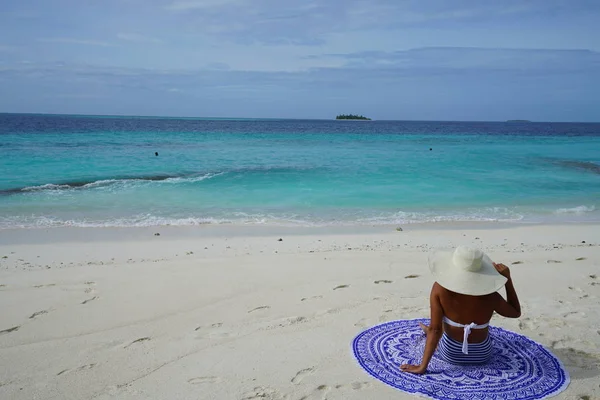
(352, 116)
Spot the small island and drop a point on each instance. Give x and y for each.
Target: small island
(352, 116)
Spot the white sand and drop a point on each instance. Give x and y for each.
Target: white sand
(199, 313)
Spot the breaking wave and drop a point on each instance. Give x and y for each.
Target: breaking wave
(51, 187)
(576, 210)
(241, 218)
(307, 218)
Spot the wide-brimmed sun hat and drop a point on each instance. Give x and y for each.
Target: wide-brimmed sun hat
(466, 270)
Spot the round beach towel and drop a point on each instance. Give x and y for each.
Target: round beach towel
(519, 368)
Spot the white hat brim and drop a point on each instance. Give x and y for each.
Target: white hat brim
(485, 281)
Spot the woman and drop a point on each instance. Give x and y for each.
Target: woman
(462, 301)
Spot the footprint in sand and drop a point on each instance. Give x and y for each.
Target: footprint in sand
(553, 262)
(287, 322)
(359, 385)
(9, 330)
(258, 308)
(517, 263)
(385, 317)
(572, 357)
(215, 331)
(580, 259)
(354, 386)
(361, 323)
(46, 285)
(382, 281)
(204, 379)
(303, 373)
(89, 289)
(411, 276)
(311, 298)
(37, 313)
(320, 392)
(263, 392)
(138, 341)
(341, 287)
(215, 325)
(527, 324)
(88, 300)
(572, 313)
(82, 368)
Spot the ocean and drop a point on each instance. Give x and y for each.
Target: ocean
(93, 171)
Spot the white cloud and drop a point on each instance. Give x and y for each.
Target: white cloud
(84, 42)
(198, 4)
(138, 38)
(455, 59)
(313, 22)
(76, 96)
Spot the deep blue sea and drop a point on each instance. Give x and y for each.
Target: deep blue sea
(58, 170)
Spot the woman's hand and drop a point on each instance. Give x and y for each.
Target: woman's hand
(503, 270)
(413, 369)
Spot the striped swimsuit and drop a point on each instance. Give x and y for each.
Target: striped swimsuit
(455, 352)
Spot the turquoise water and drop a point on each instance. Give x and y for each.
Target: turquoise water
(101, 171)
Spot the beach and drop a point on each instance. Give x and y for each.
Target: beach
(238, 312)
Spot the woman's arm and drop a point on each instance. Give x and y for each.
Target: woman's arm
(510, 307)
(434, 332)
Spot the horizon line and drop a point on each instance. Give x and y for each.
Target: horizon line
(517, 120)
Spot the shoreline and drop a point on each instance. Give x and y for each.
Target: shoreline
(555, 215)
(75, 233)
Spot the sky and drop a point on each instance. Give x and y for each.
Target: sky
(387, 59)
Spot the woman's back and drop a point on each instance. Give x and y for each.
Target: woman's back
(465, 309)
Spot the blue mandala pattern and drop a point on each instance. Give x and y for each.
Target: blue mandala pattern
(519, 368)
